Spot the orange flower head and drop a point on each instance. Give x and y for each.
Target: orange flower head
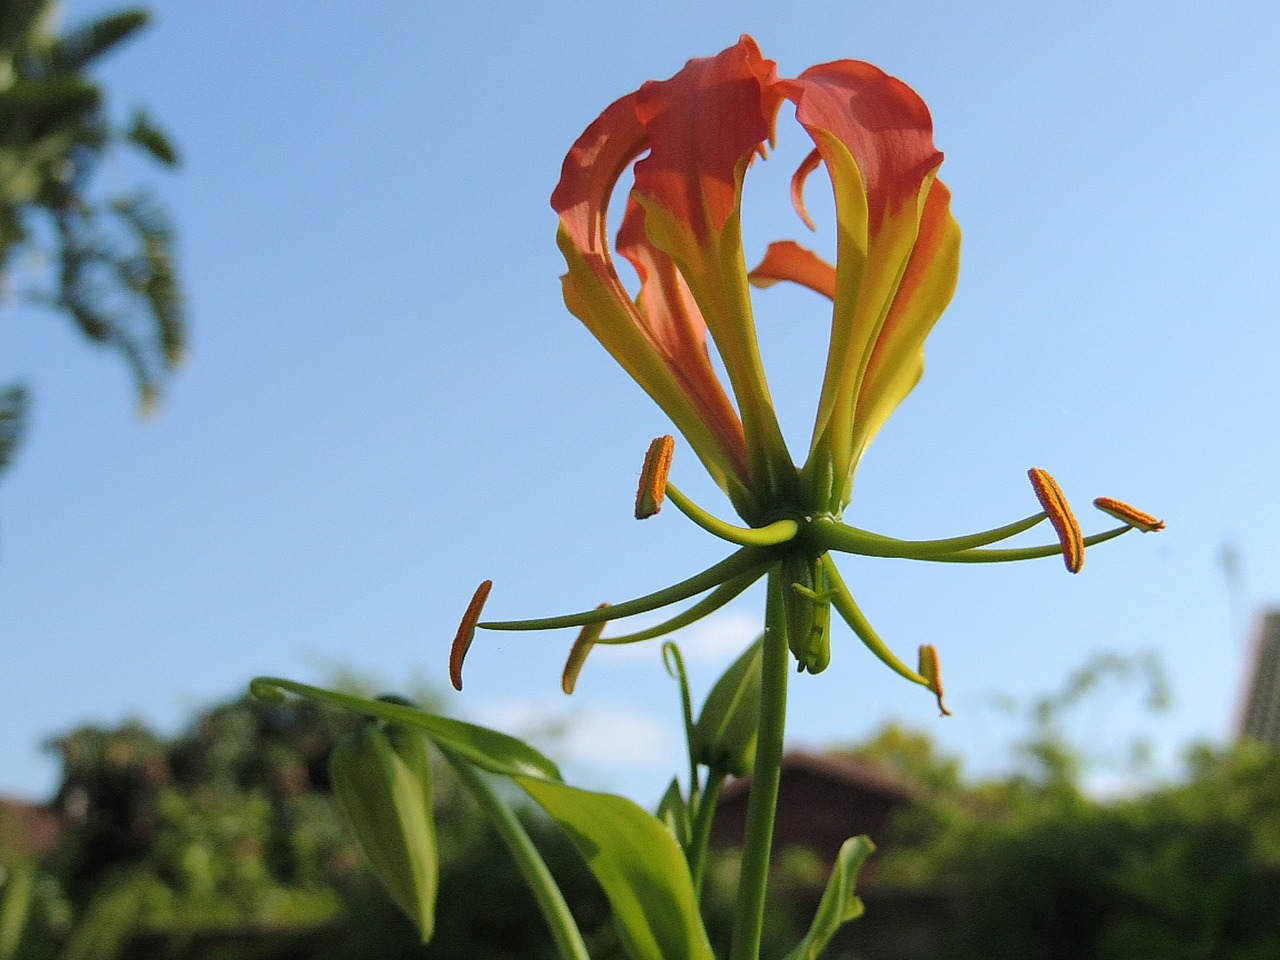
(689, 141)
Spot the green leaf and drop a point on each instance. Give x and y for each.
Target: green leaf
(382, 780)
(839, 904)
(144, 134)
(638, 865)
(16, 897)
(487, 749)
(82, 45)
(673, 812)
(724, 737)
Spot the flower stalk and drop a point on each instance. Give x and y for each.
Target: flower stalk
(762, 804)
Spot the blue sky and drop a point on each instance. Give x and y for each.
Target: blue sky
(387, 402)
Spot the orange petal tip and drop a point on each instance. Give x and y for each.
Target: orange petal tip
(466, 633)
(1059, 512)
(653, 477)
(1138, 519)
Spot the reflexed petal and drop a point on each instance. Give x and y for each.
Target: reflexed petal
(674, 325)
(787, 260)
(876, 138)
(705, 125)
(661, 344)
(897, 359)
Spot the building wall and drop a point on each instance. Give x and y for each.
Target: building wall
(1260, 713)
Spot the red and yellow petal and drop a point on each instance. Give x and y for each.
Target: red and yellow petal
(787, 260)
(706, 125)
(926, 287)
(875, 136)
(660, 342)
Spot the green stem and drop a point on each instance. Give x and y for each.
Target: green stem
(717, 598)
(736, 564)
(839, 536)
(701, 838)
(564, 929)
(1026, 553)
(671, 651)
(762, 806)
(780, 531)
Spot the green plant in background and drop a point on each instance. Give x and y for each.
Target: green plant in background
(691, 140)
(226, 841)
(1037, 867)
(107, 263)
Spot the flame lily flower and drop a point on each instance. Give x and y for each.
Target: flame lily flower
(689, 141)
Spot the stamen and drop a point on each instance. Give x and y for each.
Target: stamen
(466, 633)
(1136, 518)
(931, 670)
(587, 639)
(1064, 522)
(653, 477)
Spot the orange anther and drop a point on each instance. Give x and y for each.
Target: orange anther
(653, 478)
(587, 639)
(1064, 522)
(466, 633)
(931, 669)
(1134, 517)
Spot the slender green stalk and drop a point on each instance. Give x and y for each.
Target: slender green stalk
(671, 655)
(702, 821)
(1027, 553)
(762, 805)
(839, 536)
(717, 598)
(564, 929)
(736, 564)
(780, 531)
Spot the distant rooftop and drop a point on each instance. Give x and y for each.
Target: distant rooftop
(1260, 714)
(27, 830)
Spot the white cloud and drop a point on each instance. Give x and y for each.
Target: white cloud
(605, 737)
(720, 637)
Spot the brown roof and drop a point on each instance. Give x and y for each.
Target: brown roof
(822, 801)
(861, 775)
(27, 829)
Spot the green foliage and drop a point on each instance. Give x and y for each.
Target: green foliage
(487, 749)
(383, 782)
(1189, 871)
(839, 903)
(112, 264)
(638, 864)
(226, 842)
(724, 737)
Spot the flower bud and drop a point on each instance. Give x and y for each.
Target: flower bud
(806, 602)
(382, 779)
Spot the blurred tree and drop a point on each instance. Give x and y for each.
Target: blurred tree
(105, 262)
(225, 842)
(1039, 868)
